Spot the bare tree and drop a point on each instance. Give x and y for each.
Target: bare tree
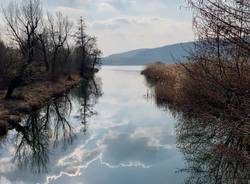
(81, 41)
(59, 31)
(23, 22)
(9, 59)
(42, 45)
(223, 31)
(220, 65)
(94, 55)
(86, 48)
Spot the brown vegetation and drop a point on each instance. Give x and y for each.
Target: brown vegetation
(32, 97)
(194, 93)
(38, 46)
(166, 80)
(214, 126)
(36, 61)
(211, 93)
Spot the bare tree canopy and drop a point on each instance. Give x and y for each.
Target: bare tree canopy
(41, 45)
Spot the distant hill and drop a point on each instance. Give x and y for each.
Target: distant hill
(168, 54)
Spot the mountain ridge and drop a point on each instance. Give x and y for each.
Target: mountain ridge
(168, 54)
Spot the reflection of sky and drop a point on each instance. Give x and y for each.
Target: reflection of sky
(128, 141)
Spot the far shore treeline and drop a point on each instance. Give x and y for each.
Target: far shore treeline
(43, 46)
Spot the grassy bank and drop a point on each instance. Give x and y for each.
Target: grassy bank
(32, 97)
(214, 114)
(166, 79)
(224, 104)
(199, 94)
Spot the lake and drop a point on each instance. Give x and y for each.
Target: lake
(107, 131)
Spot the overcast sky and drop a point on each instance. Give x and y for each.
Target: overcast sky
(122, 25)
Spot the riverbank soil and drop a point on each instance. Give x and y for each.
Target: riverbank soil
(32, 97)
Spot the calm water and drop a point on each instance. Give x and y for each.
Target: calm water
(108, 131)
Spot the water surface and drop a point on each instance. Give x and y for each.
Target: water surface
(108, 131)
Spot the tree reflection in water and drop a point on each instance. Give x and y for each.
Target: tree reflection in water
(87, 94)
(214, 153)
(33, 143)
(216, 150)
(49, 127)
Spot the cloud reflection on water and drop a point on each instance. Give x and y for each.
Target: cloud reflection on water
(128, 141)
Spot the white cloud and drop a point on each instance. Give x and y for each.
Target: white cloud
(106, 8)
(69, 10)
(122, 4)
(132, 32)
(122, 25)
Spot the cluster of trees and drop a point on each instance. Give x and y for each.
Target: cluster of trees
(218, 71)
(43, 46)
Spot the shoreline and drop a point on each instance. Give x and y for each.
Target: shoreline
(197, 98)
(167, 81)
(32, 97)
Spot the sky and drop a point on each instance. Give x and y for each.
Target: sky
(123, 25)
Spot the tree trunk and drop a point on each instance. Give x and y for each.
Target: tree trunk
(13, 84)
(82, 68)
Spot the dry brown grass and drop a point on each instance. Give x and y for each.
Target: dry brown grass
(32, 97)
(199, 92)
(167, 80)
(212, 101)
